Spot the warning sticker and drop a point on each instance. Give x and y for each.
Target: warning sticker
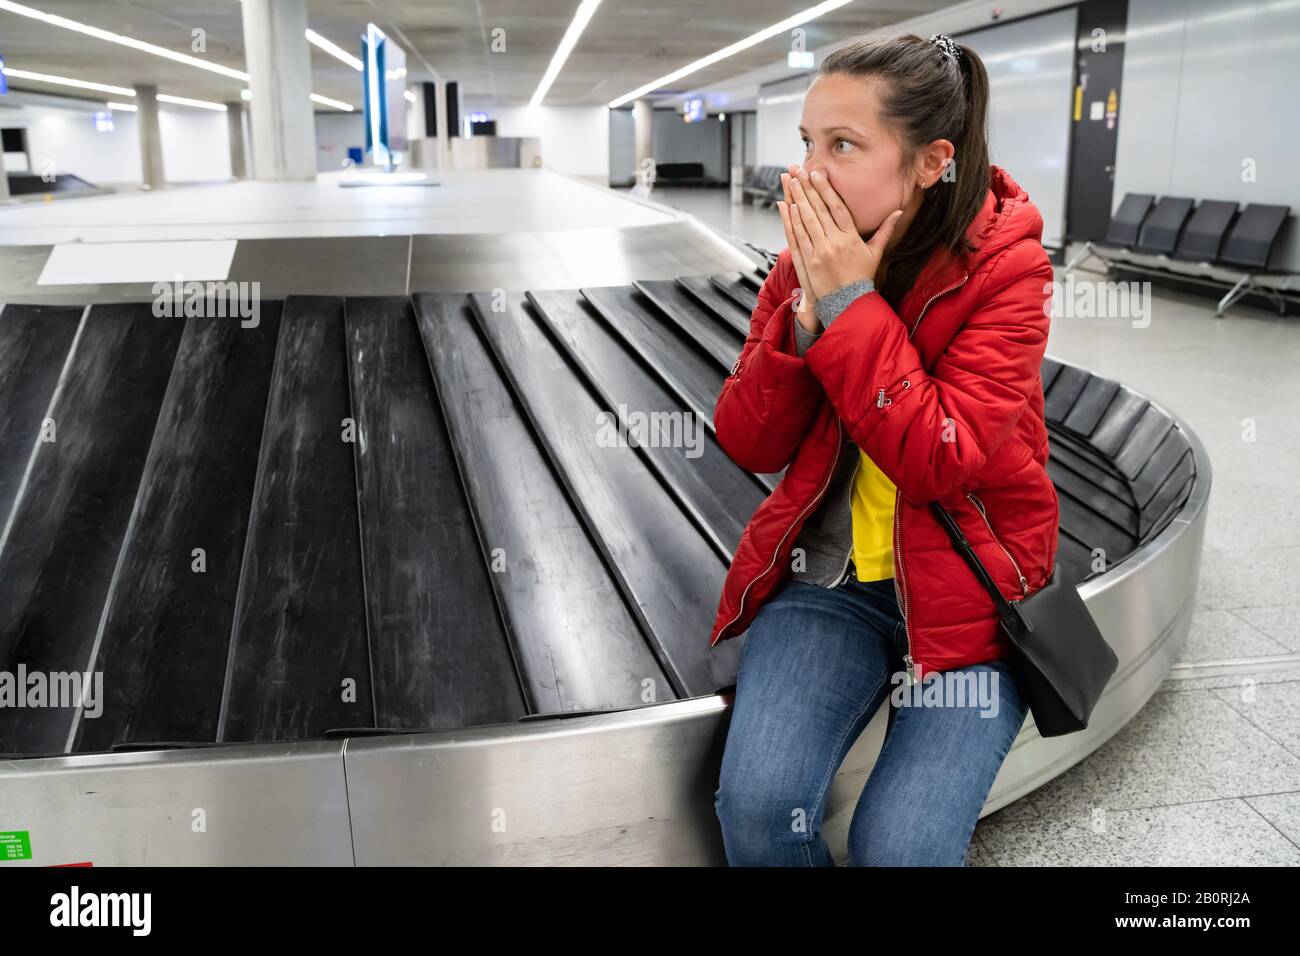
(15, 845)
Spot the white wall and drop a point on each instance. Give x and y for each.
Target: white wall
(1030, 64)
(575, 139)
(195, 144)
(68, 138)
(780, 111)
(335, 133)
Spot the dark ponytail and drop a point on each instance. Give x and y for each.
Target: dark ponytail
(927, 96)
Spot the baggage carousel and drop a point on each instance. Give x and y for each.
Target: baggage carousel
(366, 585)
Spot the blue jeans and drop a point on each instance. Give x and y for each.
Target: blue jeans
(815, 666)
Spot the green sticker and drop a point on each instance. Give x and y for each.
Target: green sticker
(16, 845)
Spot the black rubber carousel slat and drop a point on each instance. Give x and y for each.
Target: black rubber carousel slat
(1066, 457)
(68, 524)
(34, 345)
(1073, 558)
(708, 485)
(166, 634)
(662, 344)
(1118, 421)
(1119, 511)
(1091, 406)
(705, 329)
(1065, 391)
(298, 661)
(1142, 441)
(735, 288)
(1050, 369)
(669, 574)
(438, 651)
(717, 302)
(577, 644)
(1169, 499)
(1157, 468)
(665, 352)
(1083, 450)
(1086, 526)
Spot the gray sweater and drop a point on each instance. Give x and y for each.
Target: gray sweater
(826, 539)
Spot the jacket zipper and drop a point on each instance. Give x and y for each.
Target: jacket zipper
(1024, 585)
(844, 571)
(900, 579)
(772, 563)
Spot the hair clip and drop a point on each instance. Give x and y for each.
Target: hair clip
(946, 47)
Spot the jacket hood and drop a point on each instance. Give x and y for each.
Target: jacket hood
(1006, 217)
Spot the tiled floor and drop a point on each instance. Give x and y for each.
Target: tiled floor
(1209, 772)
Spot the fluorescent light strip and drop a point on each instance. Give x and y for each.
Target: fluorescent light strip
(326, 101)
(65, 81)
(580, 19)
(83, 28)
(53, 20)
(334, 50)
(186, 101)
(122, 107)
(789, 23)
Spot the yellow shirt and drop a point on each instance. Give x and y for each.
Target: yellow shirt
(872, 503)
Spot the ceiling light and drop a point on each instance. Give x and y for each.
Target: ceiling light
(334, 50)
(326, 101)
(122, 107)
(789, 23)
(118, 38)
(65, 81)
(53, 20)
(580, 19)
(186, 101)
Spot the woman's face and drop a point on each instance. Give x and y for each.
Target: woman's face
(844, 138)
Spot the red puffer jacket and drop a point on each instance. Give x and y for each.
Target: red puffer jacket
(945, 398)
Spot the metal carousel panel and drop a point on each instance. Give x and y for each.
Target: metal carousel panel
(396, 578)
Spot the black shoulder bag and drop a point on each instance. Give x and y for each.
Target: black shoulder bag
(1061, 658)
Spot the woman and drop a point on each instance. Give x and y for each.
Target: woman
(893, 361)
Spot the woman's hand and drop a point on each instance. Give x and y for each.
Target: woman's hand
(804, 312)
(831, 251)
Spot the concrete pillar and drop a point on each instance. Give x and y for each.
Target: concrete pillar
(4, 180)
(235, 133)
(643, 131)
(146, 120)
(279, 68)
(440, 87)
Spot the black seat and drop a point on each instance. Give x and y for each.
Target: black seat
(1250, 243)
(1127, 220)
(1203, 235)
(1163, 225)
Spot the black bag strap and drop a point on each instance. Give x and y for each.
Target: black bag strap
(1008, 611)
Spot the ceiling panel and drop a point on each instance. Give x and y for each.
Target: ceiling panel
(627, 43)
